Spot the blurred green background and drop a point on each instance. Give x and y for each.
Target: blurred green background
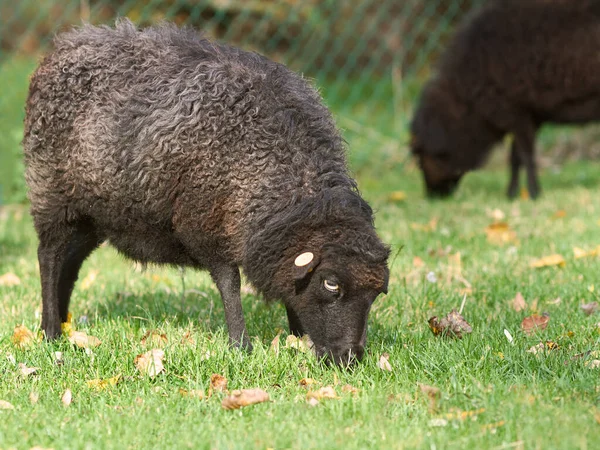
(369, 58)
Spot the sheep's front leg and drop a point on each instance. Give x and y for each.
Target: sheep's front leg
(524, 142)
(227, 279)
(515, 166)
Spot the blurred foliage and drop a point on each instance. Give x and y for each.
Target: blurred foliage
(366, 56)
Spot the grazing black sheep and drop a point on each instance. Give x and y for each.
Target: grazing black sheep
(183, 151)
(514, 65)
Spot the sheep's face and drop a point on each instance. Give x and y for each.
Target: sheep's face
(332, 303)
(441, 180)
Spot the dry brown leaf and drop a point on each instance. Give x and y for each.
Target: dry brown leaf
(518, 303)
(351, 389)
(320, 394)
(418, 262)
(33, 397)
(150, 363)
(218, 383)
(561, 213)
(102, 384)
(548, 261)
(89, 279)
(433, 394)
(26, 371)
(6, 405)
(275, 344)
(397, 196)
(427, 227)
(453, 325)
(68, 327)
(589, 308)
(244, 397)
(305, 382)
(384, 362)
(534, 323)
(154, 338)
(22, 337)
(188, 339)
(579, 253)
(542, 347)
(524, 194)
(303, 344)
(9, 279)
(592, 364)
(193, 393)
(82, 340)
(499, 233)
(67, 397)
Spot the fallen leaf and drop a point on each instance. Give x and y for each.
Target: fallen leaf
(593, 364)
(304, 382)
(22, 337)
(556, 301)
(154, 338)
(524, 194)
(438, 422)
(496, 214)
(303, 344)
(193, 393)
(541, 347)
(534, 323)
(548, 261)
(397, 196)
(560, 214)
(320, 394)
(351, 389)
(312, 401)
(26, 371)
(453, 325)
(218, 383)
(58, 358)
(589, 308)
(6, 405)
(67, 327)
(244, 397)
(89, 279)
(433, 394)
(275, 344)
(9, 279)
(384, 362)
(518, 303)
(508, 336)
(150, 363)
(499, 233)
(187, 339)
(82, 340)
(462, 415)
(102, 384)
(427, 227)
(579, 253)
(418, 262)
(67, 397)
(33, 397)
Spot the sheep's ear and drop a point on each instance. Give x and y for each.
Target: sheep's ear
(304, 264)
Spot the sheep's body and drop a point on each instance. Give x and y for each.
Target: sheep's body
(182, 151)
(513, 65)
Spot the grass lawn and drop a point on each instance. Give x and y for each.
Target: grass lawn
(492, 393)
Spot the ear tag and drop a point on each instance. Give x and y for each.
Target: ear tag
(303, 259)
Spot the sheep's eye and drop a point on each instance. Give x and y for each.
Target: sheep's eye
(331, 286)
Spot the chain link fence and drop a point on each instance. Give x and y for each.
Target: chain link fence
(368, 57)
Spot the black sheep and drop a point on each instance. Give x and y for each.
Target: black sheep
(513, 65)
(179, 150)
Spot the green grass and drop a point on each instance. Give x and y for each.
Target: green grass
(524, 400)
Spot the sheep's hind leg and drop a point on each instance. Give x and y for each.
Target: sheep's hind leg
(60, 256)
(515, 165)
(227, 279)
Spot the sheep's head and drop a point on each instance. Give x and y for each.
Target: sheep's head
(333, 292)
(449, 138)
